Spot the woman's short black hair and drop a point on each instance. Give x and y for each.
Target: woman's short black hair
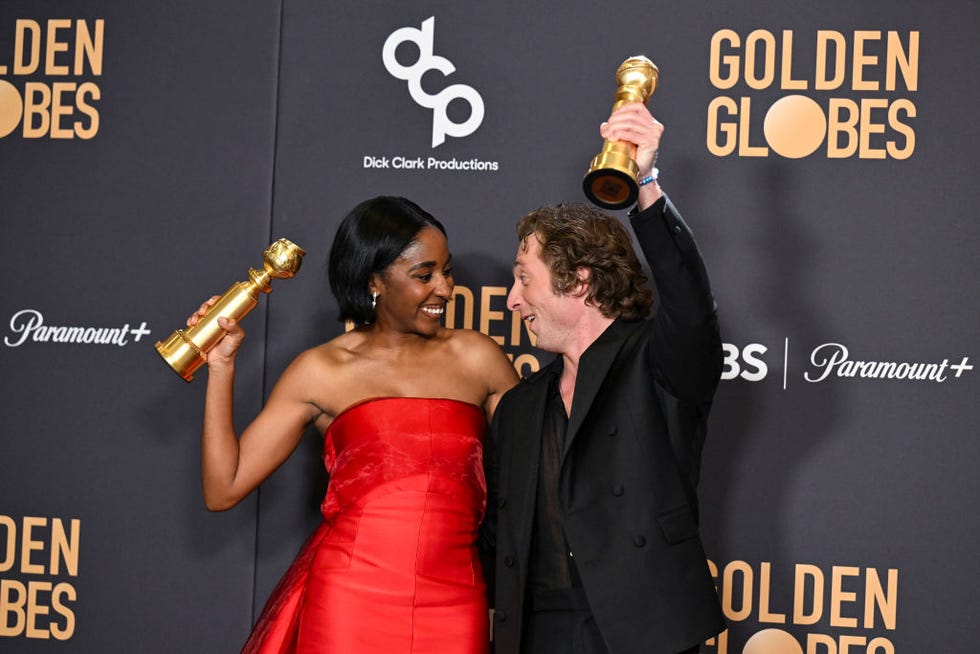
(370, 238)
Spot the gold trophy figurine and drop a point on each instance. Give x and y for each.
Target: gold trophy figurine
(611, 179)
(184, 349)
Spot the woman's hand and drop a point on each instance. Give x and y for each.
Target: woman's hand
(223, 353)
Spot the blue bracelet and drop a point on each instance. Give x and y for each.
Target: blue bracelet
(652, 177)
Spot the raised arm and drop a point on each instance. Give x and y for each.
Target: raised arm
(690, 357)
(232, 467)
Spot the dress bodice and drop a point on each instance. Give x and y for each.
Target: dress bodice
(393, 444)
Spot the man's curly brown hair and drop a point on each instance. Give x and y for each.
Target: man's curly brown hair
(578, 235)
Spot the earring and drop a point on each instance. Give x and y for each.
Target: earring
(374, 300)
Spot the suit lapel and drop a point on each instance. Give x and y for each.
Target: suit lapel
(592, 370)
(525, 459)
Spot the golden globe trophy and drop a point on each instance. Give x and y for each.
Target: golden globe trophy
(611, 179)
(184, 349)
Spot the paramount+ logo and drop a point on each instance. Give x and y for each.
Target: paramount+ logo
(48, 78)
(795, 94)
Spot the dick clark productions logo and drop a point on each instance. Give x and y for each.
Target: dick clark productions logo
(442, 125)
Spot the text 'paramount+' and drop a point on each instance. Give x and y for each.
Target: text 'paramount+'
(28, 325)
(428, 163)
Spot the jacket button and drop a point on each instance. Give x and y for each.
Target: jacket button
(502, 502)
(509, 561)
(612, 430)
(617, 490)
(639, 540)
(500, 615)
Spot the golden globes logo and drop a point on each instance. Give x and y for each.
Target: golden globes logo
(485, 310)
(842, 94)
(840, 610)
(47, 88)
(36, 554)
(488, 313)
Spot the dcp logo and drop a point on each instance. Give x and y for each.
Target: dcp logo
(442, 126)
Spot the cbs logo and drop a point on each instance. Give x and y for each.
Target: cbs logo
(744, 363)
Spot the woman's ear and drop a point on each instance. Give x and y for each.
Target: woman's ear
(375, 284)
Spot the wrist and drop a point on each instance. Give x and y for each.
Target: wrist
(220, 365)
(650, 177)
(650, 190)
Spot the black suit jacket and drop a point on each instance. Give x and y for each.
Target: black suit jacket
(630, 468)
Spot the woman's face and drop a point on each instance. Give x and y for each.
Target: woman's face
(413, 291)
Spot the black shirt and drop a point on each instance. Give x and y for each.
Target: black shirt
(551, 566)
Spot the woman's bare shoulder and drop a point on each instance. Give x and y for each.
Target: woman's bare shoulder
(323, 376)
(474, 345)
(322, 361)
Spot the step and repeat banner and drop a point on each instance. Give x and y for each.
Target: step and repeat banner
(823, 154)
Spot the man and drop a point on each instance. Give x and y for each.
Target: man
(596, 456)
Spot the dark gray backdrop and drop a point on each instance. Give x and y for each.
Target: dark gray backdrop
(223, 126)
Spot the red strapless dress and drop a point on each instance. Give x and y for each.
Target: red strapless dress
(393, 568)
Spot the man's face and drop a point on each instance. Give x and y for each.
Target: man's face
(548, 315)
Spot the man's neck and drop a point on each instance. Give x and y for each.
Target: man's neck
(588, 330)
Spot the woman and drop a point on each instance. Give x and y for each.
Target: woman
(402, 403)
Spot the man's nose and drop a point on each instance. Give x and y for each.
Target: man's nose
(514, 299)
